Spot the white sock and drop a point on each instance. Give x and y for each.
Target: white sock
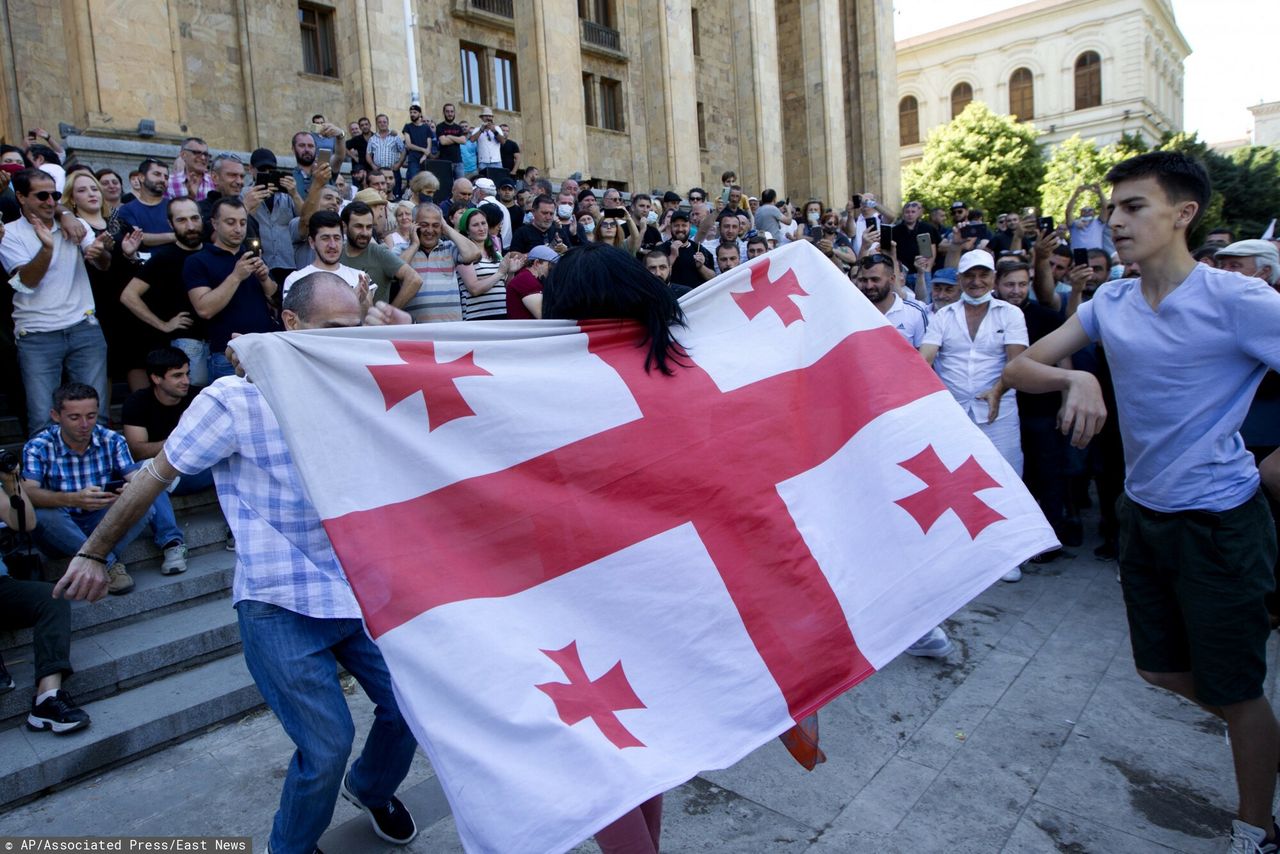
(40, 698)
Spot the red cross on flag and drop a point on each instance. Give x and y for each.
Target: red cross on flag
(591, 583)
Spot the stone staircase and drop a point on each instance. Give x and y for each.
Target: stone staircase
(153, 667)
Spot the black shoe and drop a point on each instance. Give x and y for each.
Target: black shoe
(391, 822)
(1048, 557)
(1071, 532)
(6, 681)
(1107, 551)
(57, 713)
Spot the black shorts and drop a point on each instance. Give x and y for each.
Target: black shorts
(1194, 585)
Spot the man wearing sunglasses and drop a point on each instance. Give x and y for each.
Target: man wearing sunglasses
(190, 178)
(53, 310)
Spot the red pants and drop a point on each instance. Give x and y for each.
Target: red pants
(637, 832)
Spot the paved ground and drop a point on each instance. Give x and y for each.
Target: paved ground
(1035, 735)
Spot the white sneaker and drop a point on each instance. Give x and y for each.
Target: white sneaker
(935, 644)
(175, 560)
(1012, 576)
(1247, 839)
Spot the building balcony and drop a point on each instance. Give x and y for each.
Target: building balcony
(602, 39)
(501, 8)
(494, 13)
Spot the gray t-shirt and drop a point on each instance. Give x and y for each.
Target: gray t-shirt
(769, 218)
(377, 262)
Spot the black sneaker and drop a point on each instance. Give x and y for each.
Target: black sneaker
(391, 822)
(57, 713)
(6, 681)
(1107, 551)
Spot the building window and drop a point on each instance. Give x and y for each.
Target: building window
(908, 121)
(506, 83)
(694, 31)
(961, 95)
(319, 48)
(597, 12)
(1022, 96)
(611, 112)
(702, 127)
(472, 72)
(1088, 80)
(589, 99)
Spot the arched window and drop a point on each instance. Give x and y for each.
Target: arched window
(1022, 96)
(961, 95)
(908, 121)
(1088, 80)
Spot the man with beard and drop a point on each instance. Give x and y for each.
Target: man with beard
(325, 198)
(304, 154)
(157, 298)
(229, 287)
(326, 242)
(228, 180)
(358, 144)
(377, 262)
(542, 229)
(147, 211)
(689, 263)
(441, 248)
(944, 289)
(450, 137)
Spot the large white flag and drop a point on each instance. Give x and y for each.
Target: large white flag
(591, 582)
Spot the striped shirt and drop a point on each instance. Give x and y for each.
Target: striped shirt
(492, 304)
(283, 556)
(48, 461)
(386, 151)
(437, 299)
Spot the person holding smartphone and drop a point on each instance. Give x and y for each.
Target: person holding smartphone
(910, 236)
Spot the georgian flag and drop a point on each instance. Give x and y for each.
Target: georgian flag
(591, 583)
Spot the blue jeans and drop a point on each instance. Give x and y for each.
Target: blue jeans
(61, 533)
(164, 525)
(294, 659)
(42, 356)
(189, 484)
(198, 355)
(458, 171)
(220, 366)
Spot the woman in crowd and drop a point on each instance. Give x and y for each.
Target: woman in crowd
(483, 285)
(402, 238)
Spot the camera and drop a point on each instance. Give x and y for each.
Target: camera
(9, 462)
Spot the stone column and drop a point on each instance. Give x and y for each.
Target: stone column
(872, 100)
(824, 79)
(548, 42)
(760, 154)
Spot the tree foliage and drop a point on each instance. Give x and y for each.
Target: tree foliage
(991, 162)
(1246, 185)
(1077, 162)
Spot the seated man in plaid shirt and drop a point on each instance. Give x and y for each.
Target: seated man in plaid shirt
(66, 470)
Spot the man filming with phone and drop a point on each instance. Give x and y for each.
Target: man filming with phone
(912, 236)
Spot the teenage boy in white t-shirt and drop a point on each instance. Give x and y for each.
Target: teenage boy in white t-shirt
(1187, 345)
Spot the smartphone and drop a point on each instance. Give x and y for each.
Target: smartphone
(268, 178)
(857, 202)
(924, 246)
(873, 222)
(113, 485)
(1079, 256)
(971, 231)
(1045, 224)
(1026, 212)
(615, 213)
(254, 245)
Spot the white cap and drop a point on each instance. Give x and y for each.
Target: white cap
(975, 258)
(486, 184)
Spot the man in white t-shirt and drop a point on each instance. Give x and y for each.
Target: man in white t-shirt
(325, 236)
(55, 326)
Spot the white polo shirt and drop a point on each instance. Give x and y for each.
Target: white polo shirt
(63, 297)
(969, 366)
(909, 319)
(350, 275)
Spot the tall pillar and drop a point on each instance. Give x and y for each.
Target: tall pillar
(760, 154)
(674, 23)
(871, 100)
(551, 107)
(824, 84)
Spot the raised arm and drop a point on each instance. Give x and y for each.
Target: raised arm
(1083, 411)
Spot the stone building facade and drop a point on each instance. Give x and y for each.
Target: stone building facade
(1099, 68)
(792, 94)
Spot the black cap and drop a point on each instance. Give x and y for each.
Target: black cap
(263, 157)
(670, 196)
(684, 215)
(506, 182)
(955, 205)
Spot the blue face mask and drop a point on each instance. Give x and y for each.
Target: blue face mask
(588, 227)
(1117, 272)
(982, 300)
(693, 229)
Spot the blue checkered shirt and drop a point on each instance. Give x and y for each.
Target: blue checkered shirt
(283, 556)
(48, 461)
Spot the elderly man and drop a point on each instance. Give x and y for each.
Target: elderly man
(190, 177)
(441, 248)
(1254, 258)
(298, 618)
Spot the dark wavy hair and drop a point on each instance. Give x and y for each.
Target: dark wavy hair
(598, 281)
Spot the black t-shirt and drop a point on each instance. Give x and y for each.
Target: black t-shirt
(450, 151)
(510, 149)
(528, 236)
(1002, 241)
(166, 294)
(1040, 322)
(685, 270)
(142, 409)
(419, 135)
(357, 146)
(904, 239)
(206, 214)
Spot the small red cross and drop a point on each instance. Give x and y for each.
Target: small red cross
(597, 699)
(767, 293)
(949, 490)
(422, 372)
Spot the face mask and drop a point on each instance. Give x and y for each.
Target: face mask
(528, 217)
(1117, 272)
(693, 229)
(982, 300)
(1086, 221)
(563, 211)
(812, 217)
(587, 227)
(651, 218)
(870, 203)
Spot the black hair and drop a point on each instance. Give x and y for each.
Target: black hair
(758, 240)
(22, 180)
(726, 175)
(638, 196)
(164, 360)
(99, 174)
(1063, 250)
(1209, 250)
(769, 196)
(145, 165)
(598, 281)
(324, 219)
(225, 202)
(355, 209)
(1102, 252)
(975, 213)
(585, 193)
(168, 207)
(727, 214)
(1182, 177)
(50, 156)
(68, 392)
(543, 199)
(5, 148)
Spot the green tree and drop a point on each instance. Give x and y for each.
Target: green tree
(992, 162)
(1075, 162)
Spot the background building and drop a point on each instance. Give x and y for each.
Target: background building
(1266, 123)
(793, 94)
(1099, 68)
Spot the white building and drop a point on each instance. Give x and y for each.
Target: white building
(1099, 68)
(1266, 123)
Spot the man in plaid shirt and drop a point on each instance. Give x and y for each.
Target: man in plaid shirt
(190, 177)
(386, 150)
(66, 468)
(298, 617)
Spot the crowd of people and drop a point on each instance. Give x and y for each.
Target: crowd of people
(145, 278)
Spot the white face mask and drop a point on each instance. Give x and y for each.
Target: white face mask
(813, 217)
(588, 227)
(651, 217)
(1087, 220)
(564, 211)
(982, 300)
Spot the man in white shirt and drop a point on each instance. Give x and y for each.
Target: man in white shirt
(325, 229)
(969, 343)
(874, 276)
(488, 138)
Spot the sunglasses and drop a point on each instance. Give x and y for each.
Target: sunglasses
(876, 258)
(697, 198)
(45, 195)
(196, 153)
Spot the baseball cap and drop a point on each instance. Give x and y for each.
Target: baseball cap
(485, 184)
(680, 215)
(370, 197)
(1249, 249)
(263, 157)
(505, 182)
(543, 253)
(975, 258)
(958, 204)
(670, 196)
(945, 276)
(417, 107)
